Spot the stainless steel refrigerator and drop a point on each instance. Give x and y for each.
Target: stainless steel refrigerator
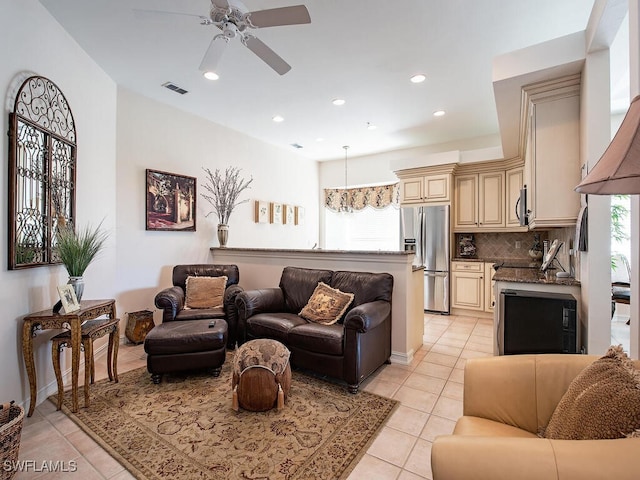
(426, 229)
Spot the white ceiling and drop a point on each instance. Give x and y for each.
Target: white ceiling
(361, 50)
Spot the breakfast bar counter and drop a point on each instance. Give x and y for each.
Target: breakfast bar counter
(262, 267)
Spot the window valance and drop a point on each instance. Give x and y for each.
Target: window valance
(381, 196)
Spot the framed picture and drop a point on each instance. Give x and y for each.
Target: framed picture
(171, 202)
(68, 298)
(289, 214)
(551, 255)
(276, 213)
(299, 216)
(261, 212)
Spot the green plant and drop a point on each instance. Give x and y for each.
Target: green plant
(224, 191)
(619, 213)
(78, 249)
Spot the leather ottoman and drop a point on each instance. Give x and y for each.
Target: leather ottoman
(184, 345)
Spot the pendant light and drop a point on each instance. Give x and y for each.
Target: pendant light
(345, 206)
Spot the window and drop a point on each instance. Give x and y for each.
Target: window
(366, 229)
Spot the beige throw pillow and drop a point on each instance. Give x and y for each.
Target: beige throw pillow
(603, 401)
(205, 292)
(326, 305)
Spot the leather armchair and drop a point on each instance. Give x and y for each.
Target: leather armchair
(172, 300)
(507, 400)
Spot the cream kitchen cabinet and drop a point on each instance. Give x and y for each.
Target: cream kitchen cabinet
(479, 201)
(467, 285)
(514, 181)
(489, 284)
(426, 189)
(552, 159)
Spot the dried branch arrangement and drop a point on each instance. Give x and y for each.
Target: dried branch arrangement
(223, 191)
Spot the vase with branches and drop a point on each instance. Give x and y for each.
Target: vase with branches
(223, 190)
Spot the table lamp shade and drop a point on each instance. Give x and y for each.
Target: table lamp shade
(618, 170)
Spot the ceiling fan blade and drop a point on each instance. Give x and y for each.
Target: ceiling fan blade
(220, 3)
(274, 17)
(267, 55)
(214, 53)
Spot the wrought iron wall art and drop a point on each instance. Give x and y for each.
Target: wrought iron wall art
(42, 172)
(171, 202)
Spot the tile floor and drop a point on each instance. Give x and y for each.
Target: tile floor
(430, 392)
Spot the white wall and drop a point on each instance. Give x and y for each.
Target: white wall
(156, 136)
(34, 41)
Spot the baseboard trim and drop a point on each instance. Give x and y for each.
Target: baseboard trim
(402, 358)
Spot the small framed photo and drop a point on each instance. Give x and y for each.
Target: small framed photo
(553, 251)
(289, 214)
(299, 216)
(261, 212)
(276, 213)
(68, 298)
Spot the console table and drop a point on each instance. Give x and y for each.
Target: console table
(46, 319)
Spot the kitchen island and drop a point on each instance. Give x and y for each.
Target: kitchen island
(262, 267)
(532, 280)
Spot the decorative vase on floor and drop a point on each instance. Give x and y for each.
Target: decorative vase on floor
(78, 286)
(223, 234)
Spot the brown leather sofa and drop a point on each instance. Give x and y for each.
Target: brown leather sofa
(349, 350)
(172, 300)
(507, 400)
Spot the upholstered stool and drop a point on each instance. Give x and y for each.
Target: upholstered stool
(182, 345)
(91, 329)
(261, 375)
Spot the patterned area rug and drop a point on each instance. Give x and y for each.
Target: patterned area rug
(185, 428)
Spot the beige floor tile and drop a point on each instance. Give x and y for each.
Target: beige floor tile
(437, 426)
(63, 423)
(419, 461)
(455, 335)
(381, 387)
(480, 340)
(447, 349)
(425, 383)
(441, 359)
(448, 408)
(433, 370)
(41, 441)
(430, 338)
(418, 399)
(453, 390)
(467, 353)
(103, 462)
(407, 475)
(478, 347)
(394, 373)
(460, 364)
(452, 342)
(392, 446)
(457, 375)
(125, 475)
(408, 420)
(372, 468)
(81, 441)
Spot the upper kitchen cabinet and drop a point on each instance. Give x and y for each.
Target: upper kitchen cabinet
(425, 185)
(552, 156)
(485, 196)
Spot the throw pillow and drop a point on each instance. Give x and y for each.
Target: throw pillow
(603, 401)
(205, 292)
(326, 305)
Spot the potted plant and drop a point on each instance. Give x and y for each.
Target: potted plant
(223, 192)
(77, 250)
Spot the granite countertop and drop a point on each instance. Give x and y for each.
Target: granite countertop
(314, 250)
(531, 275)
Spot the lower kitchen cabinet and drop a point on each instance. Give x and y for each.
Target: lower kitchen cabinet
(467, 285)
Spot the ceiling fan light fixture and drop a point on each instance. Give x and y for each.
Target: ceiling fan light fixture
(418, 78)
(277, 118)
(338, 102)
(211, 75)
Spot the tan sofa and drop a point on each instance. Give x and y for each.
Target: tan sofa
(507, 400)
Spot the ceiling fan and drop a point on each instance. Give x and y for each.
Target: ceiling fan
(234, 20)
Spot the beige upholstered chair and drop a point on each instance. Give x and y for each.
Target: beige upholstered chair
(507, 400)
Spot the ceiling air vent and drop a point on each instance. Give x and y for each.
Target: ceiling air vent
(296, 145)
(174, 87)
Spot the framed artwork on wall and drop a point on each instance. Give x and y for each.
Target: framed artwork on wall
(171, 202)
(276, 213)
(261, 212)
(299, 216)
(289, 214)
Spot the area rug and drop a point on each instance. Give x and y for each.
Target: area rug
(185, 428)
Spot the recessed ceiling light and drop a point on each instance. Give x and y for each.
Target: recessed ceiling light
(319, 139)
(419, 78)
(338, 101)
(278, 118)
(211, 75)
(438, 113)
(370, 126)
